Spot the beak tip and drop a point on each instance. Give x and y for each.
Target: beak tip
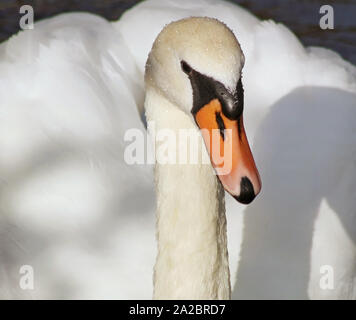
(245, 199)
(247, 193)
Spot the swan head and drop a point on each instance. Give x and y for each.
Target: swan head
(196, 64)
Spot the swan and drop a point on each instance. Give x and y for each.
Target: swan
(193, 79)
(72, 86)
(66, 146)
(281, 78)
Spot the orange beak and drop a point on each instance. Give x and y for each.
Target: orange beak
(229, 151)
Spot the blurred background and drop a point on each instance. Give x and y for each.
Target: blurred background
(301, 16)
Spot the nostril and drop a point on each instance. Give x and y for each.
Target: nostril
(247, 193)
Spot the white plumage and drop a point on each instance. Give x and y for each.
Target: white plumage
(71, 87)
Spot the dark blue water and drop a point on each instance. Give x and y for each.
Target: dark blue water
(301, 16)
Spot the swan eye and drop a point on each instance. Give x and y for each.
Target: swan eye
(185, 67)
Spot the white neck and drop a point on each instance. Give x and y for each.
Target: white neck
(192, 261)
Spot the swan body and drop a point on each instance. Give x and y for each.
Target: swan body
(71, 89)
(67, 195)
